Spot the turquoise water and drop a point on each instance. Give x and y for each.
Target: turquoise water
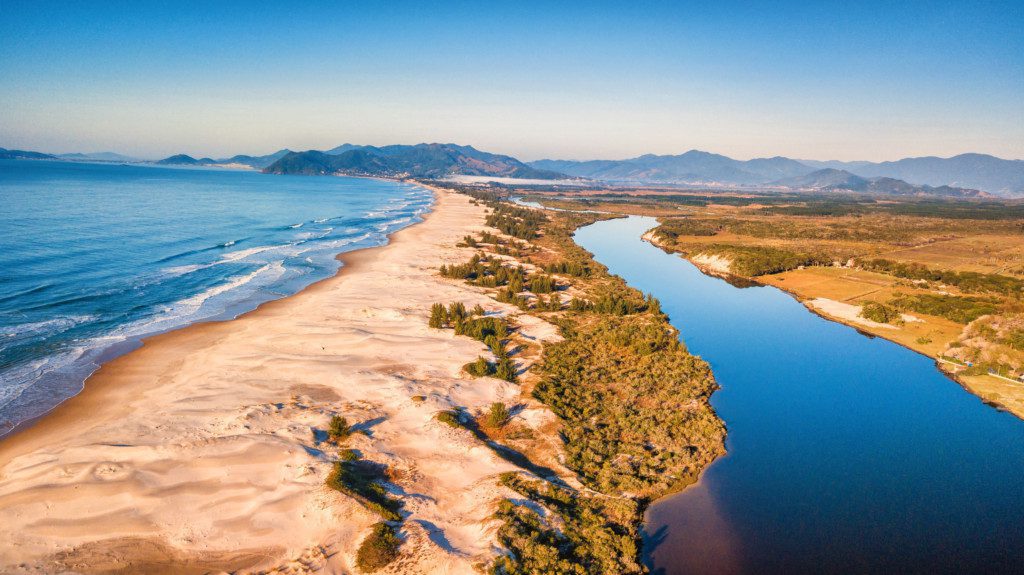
(94, 256)
(846, 453)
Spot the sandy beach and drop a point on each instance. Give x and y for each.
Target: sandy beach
(195, 453)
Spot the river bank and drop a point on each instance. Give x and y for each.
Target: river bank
(845, 453)
(928, 337)
(199, 451)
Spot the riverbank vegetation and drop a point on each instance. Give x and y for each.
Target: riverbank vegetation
(632, 403)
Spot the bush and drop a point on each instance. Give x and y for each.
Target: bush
(542, 284)
(881, 313)
(960, 309)
(379, 548)
(449, 417)
(361, 481)
(498, 415)
(1015, 339)
(339, 429)
(348, 455)
(505, 370)
(479, 368)
(438, 316)
(966, 281)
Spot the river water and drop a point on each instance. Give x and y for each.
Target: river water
(846, 453)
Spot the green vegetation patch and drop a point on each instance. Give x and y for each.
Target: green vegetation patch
(753, 261)
(880, 313)
(598, 534)
(961, 309)
(634, 404)
(361, 480)
(973, 282)
(378, 549)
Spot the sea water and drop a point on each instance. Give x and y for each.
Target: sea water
(95, 256)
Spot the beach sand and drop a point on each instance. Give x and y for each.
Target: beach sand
(195, 453)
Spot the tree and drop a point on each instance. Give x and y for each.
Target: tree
(339, 429)
(505, 369)
(438, 316)
(498, 415)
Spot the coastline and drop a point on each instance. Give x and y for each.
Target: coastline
(217, 415)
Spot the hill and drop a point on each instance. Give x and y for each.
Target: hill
(420, 160)
(184, 160)
(693, 167)
(6, 154)
(831, 179)
(258, 162)
(981, 171)
(972, 171)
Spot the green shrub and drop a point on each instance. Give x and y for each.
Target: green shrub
(762, 260)
(479, 368)
(881, 313)
(438, 316)
(961, 309)
(498, 415)
(542, 284)
(379, 548)
(347, 455)
(361, 481)
(1015, 339)
(338, 430)
(449, 417)
(506, 370)
(966, 281)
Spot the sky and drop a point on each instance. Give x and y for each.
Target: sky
(815, 80)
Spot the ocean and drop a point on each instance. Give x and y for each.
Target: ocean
(94, 257)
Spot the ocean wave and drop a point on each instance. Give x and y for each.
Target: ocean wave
(199, 299)
(50, 326)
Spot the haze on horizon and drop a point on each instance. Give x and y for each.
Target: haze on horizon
(864, 81)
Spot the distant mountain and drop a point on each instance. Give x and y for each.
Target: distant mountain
(981, 171)
(184, 160)
(693, 167)
(343, 148)
(831, 179)
(420, 160)
(6, 154)
(98, 157)
(971, 171)
(258, 162)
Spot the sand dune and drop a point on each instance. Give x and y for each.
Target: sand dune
(195, 452)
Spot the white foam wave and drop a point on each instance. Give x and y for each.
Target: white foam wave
(55, 325)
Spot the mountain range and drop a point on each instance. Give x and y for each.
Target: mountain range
(257, 162)
(833, 180)
(420, 161)
(963, 175)
(6, 154)
(697, 168)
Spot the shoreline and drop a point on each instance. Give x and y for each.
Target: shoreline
(130, 344)
(217, 416)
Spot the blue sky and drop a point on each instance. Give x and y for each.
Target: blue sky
(861, 80)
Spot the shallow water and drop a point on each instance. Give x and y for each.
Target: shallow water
(846, 453)
(93, 256)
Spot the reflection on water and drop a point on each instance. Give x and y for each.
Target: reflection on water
(846, 453)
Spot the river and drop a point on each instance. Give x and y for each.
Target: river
(846, 453)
